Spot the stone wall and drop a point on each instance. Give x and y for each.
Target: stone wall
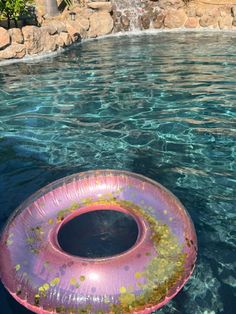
(170, 14)
(89, 21)
(92, 19)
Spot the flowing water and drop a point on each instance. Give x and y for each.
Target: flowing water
(162, 105)
(133, 9)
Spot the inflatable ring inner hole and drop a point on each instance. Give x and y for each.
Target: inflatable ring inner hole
(98, 234)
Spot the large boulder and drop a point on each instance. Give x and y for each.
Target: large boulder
(16, 35)
(192, 22)
(208, 21)
(174, 4)
(36, 40)
(45, 39)
(175, 18)
(191, 10)
(101, 23)
(32, 39)
(100, 5)
(59, 26)
(50, 29)
(78, 28)
(82, 12)
(225, 22)
(14, 51)
(226, 11)
(158, 20)
(201, 10)
(64, 40)
(4, 38)
(48, 41)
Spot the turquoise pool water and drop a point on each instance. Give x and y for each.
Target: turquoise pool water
(162, 105)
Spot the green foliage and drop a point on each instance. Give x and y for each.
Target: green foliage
(13, 9)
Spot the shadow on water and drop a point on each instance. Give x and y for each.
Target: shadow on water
(24, 173)
(21, 177)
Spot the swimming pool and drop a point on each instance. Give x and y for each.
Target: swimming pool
(162, 105)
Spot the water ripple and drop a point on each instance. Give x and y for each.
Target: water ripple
(162, 105)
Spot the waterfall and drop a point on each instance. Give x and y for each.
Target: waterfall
(131, 15)
(128, 14)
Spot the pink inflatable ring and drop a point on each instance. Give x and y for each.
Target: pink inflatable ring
(40, 275)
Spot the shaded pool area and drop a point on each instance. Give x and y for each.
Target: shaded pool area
(161, 105)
